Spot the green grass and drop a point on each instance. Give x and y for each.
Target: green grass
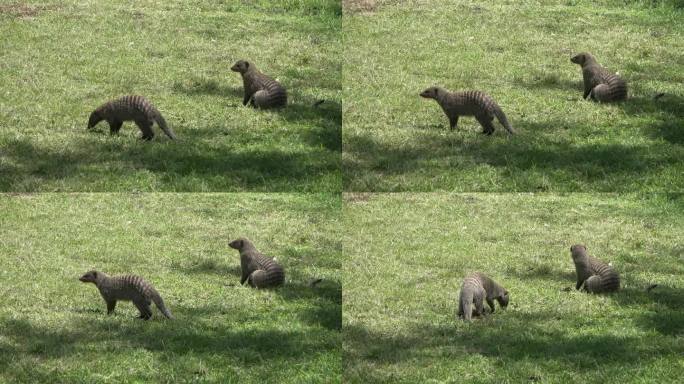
(63, 59)
(408, 254)
(519, 53)
(54, 328)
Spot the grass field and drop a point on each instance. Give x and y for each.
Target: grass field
(408, 255)
(63, 59)
(519, 53)
(54, 328)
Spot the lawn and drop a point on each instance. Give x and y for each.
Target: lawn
(408, 254)
(519, 53)
(54, 328)
(61, 60)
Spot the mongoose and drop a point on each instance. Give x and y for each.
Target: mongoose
(258, 270)
(595, 275)
(599, 83)
(127, 288)
(468, 103)
(130, 108)
(477, 287)
(261, 91)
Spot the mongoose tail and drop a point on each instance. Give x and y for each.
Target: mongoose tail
(162, 124)
(502, 119)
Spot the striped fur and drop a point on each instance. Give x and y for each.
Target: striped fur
(469, 103)
(595, 275)
(599, 84)
(130, 108)
(258, 270)
(477, 288)
(127, 288)
(261, 91)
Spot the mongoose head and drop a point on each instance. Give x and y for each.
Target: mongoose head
(583, 58)
(431, 93)
(503, 300)
(239, 243)
(90, 277)
(578, 250)
(95, 118)
(241, 66)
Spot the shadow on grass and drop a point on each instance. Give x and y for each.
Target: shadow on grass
(176, 338)
(556, 158)
(220, 168)
(517, 337)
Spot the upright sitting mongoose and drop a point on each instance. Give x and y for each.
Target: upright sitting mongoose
(476, 288)
(127, 288)
(468, 103)
(259, 270)
(261, 91)
(130, 108)
(595, 275)
(599, 83)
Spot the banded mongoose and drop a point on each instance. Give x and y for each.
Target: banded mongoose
(261, 91)
(468, 103)
(476, 288)
(258, 270)
(130, 108)
(599, 83)
(127, 288)
(595, 275)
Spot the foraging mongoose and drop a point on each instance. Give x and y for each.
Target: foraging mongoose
(599, 83)
(261, 91)
(130, 108)
(595, 275)
(477, 287)
(468, 103)
(127, 288)
(258, 270)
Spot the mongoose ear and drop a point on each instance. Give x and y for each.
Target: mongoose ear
(95, 274)
(246, 64)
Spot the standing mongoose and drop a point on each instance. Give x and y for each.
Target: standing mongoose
(599, 83)
(468, 103)
(130, 108)
(595, 275)
(127, 288)
(476, 288)
(261, 91)
(258, 270)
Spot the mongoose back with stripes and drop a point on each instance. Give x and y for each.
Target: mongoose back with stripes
(595, 275)
(258, 270)
(477, 288)
(130, 108)
(127, 288)
(468, 103)
(599, 83)
(261, 91)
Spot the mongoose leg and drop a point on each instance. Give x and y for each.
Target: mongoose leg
(110, 306)
(486, 122)
(453, 122)
(144, 308)
(490, 302)
(479, 307)
(115, 126)
(578, 285)
(246, 99)
(146, 128)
